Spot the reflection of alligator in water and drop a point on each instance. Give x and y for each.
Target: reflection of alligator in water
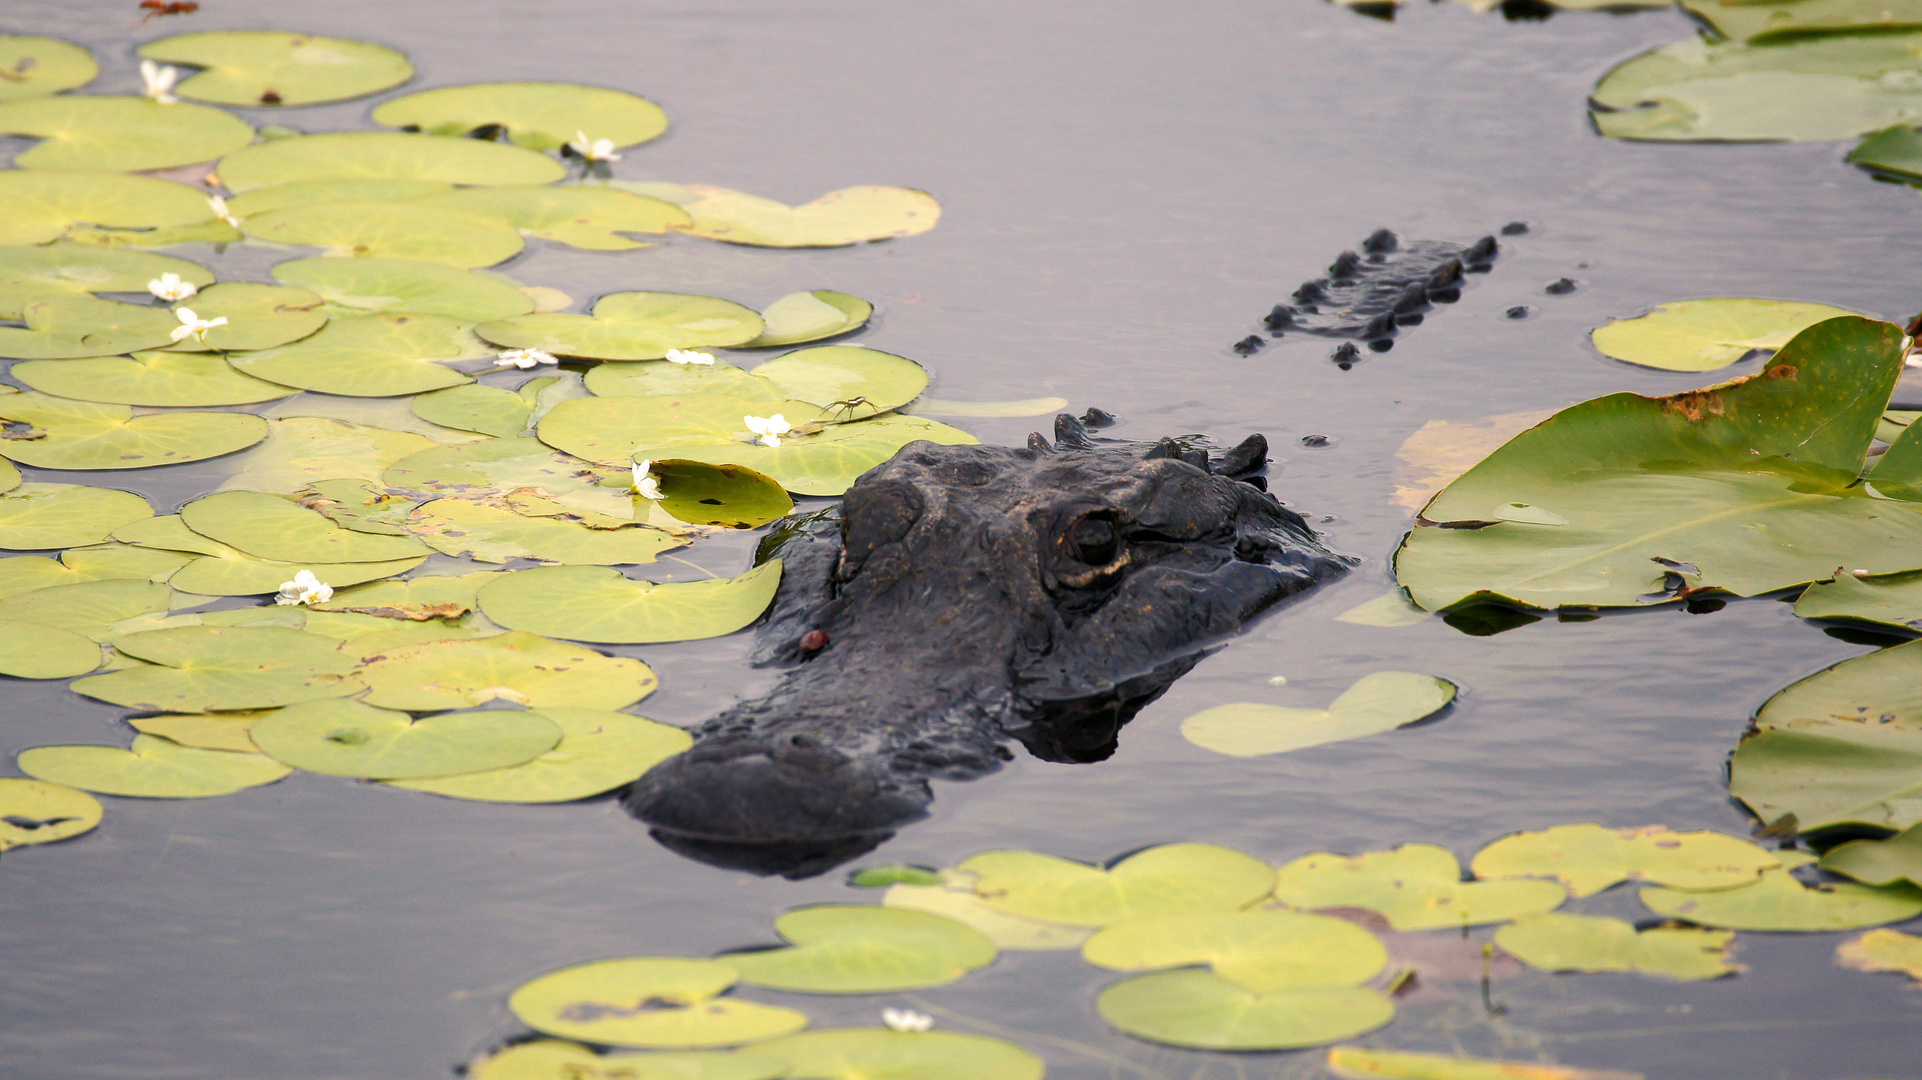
(971, 594)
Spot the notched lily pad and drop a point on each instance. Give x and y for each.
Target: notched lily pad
(1879, 862)
(37, 516)
(373, 285)
(110, 133)
(1778, 901)
(1883, 950)
(1588, 858)
(213, 668)
(38, 66)
(1887, 600)
(149, 378)
(861, 949)
(1380, 702)
(36, 650)
(349, 738)
(43, 204)
(1560, 942)
(550, 1059)
(648, 1001)
(852, 215)
(270, 527)
(514, 667)
(631, 326)
(597, 603)
(810, 316)
(274, 67)
(728, 496)
(1415, 886)
(537, 115)
(69, 327)
(1172, 879)
(598, 752)
(384, 355)
(381, 155)
(490, 410)
(594, 218)
(1263, 951)
(36, 812)
(152, 768)
(258, 316)
(1703, 335)
(55, 433)
(31, 270)
(297, 193)
(489, 532)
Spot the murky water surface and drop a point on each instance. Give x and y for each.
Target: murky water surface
(1127, 187)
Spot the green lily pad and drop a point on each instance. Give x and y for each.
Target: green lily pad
(109, 133)
(593, 218)
(730, 496)
(648, 1001)
(274, 67)
(860, 949)
(270, 527)
(490, 410)
(1780, 902)
(1747, 20)
(149, 378)
(1882, 950)
(25, 573)
(37, 650)
(822, 463)
(382, 155)
(85, 606)
(953, 897)
(258, 316)
(9, 476)
(1415, 886)
(851, 215)
(207, 731)
(537, 115)
(54, 433)
(547, 1059)
(213, 668)
(491, 533)
(829, 374)
(299, 193)
(235, 573)
(302, 449)
(383, 355)
(1807, 89)
(459, 238)
(416, 600)
(37, 66)
(211, 231)
(68, 327)
(1879, 862)
(491, 468)
(36, 812)
(659, 378)
(515, 667)
(1588, 858)
(152, 769)
(1889, 600)
(1558, 942)
(810, 316)
(1755, 489)
(370, 286)
(1355, 1063)
(1173, 879)
(42, 205)
(1262, 951)
(1390, 609)
(631, 326)
(1202, 1010)
(347, 738)
(1897, 150)
(872, 1053)
(597, 603)
(29, 271)
(1380, 702)
(35, 516)
(1702, 335)
(598, 752)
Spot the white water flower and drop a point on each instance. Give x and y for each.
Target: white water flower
(907, 1019)
(304, 589)
(524, 358)
(195, 326)
(219, 206)
(644, 483)
(593, 149)
(160, 81)
(688, 356)
(171, 288)
(769, 428)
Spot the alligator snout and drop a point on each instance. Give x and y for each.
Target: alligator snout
(773, 790)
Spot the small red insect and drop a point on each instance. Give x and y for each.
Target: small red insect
(157, 8)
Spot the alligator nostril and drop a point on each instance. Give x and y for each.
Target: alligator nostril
(802, 742)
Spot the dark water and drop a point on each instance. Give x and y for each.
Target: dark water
(1127, 187)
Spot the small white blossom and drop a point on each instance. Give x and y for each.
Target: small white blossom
(688, 356)
(220, 210)
(304, 589)
(160, 81)
(769, 428)
(907, 1019)
(524, 358)
(195, 326)
(171, 288)
(593, 149)
(644, 483)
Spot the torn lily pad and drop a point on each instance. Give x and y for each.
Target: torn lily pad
(38, 66)
(1380, 702)
(1703, 335)
(1778, 901)
(1558, 942)
(537, 115)
(1883, 950)
(1588, 858)
(55, 433)
(349, 738)
(862, 949)
(152, 768)
(37, 812)
(1202, 1010)
(599, 604)
(648, 1001)
(110, 133)
(270, 527)
(810, 316)
(852, 215)
(275, 67)
(413, 230)
(1172, 879)
(598, 752)
(380, 155)
(372, 285)
(209, 668)
(37, 516)
(43, 205)
(520, 668)
(150, 379)
(1415, 886)
(384, 355)
(592, 218)
(37, 650)
(631, 326)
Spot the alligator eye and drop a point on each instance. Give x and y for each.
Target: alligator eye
(1094, 541)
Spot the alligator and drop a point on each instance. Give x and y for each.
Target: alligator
(962, 597)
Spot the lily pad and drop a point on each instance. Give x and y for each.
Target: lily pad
(594, 218)
(347, 738)
(1889, 600)
(852, 215)
(810, 316)
(598, 752)
(207, 731)
(1806, 89)
(1780, 902)
(370, 286)
(597, 603)
(381, 155)
(491, 533)
(416, 600)
(29, 271)
(54, 433)
(826, 462)
(729, 496)
(1390, 609)
(213, 668)
(1202, 1010)
(549, 1059)
(1559, 942)
(109, 133)
(68, 327)
(270, 527)
(37, 650)
(648, 1001)
(491, 468)
(149, 378)
(1262, 951)
(829, 374)
(1879, 862)
(152, 769)
(661, 378)
(1747, 20)
(42, 205)
(872, 1053)
(1702, 335)
(87, 606)
(258, 316)
(36, 516)
(1415, 886)
(537, 115)
(1355, 1063)
(515, 667)
(383, 355)
(36, 812)
(1380, 702)
(321, 192)
(955, 898)
(37, 66)
(631, 326)
(490, 410)
(101, 562)
(1755, 490)
(1897, 150)
(459, 238)
(1882, 950)
(302, 449)
(1173, 879)
(860, 949)
(1588, 858)
(274, 67)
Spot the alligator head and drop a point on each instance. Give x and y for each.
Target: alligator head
(969, 595)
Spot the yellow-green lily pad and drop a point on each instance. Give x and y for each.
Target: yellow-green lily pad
(1886, 600)
(598, 752)
(490, 468)
(537, 115)
(650, 1001)
(954, 897)
(37, 66)
(515, 667)
(874, 1053)
(1883, 950)
(594, 218)
(275, 67)
(297, 193)
(270, 527)
(230, 572)
(214, 668)
(1415, 886)
(55, 433)
(110, 133)
(1554, 941)
(258, 316)
(490, 410)
(383, 355)
(37, 650)
(728, 496)
(100, 562)
(44, 204)
(149, 378)
(597, 603)
(630, 326)
(67, 327)
(851, 215)
(491, 533)
(382, 155)
(152, 768)
(1202, 1010)
(38, 516)
(1879, 862)
(1263, 951)
(348, 738)
(847, 381)
(821, 463)
(416, 599)
(1380, 702)
(810, 316)
(414, 230)
(207, 731)
(36, 812)
(302, 449)
(372, 285)
(863, 949)
(1703, 335)
(87, 606)
(1588, 858)
(1173, 879)
(550, 1059)
(32, 270)
(1778, 901)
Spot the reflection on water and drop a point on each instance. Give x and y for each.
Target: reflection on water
(1125, 191)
